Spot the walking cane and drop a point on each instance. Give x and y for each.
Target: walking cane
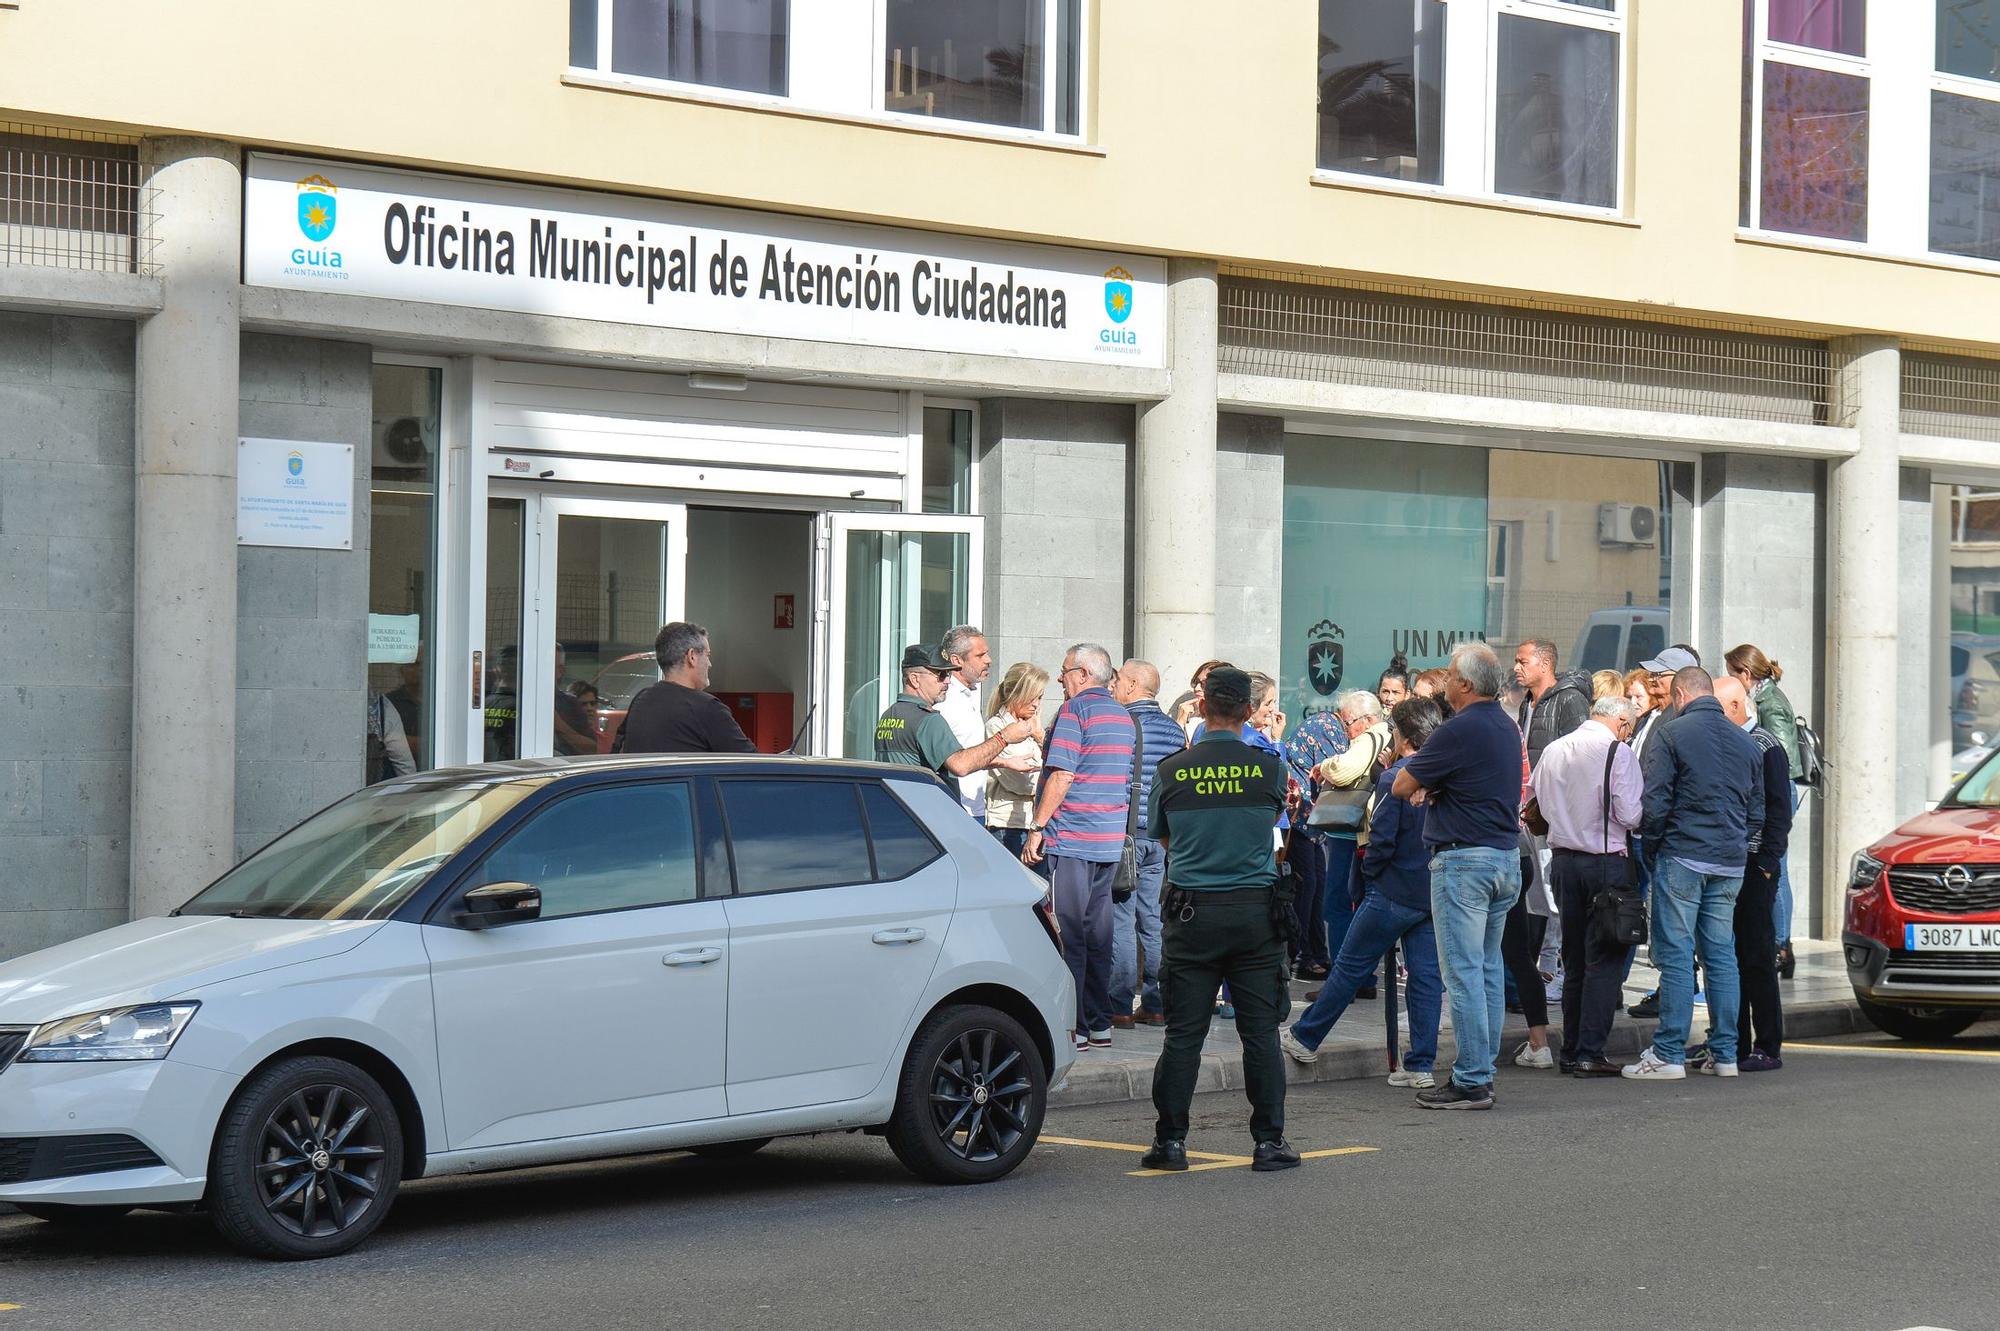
(1389, 1007)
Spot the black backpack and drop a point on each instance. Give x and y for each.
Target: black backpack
(1812, 758)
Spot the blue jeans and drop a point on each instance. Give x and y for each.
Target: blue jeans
(1015, 839)
(1379, 924)
(1694, 916)
(1472, 889)
(1781, 918)
(1336, 906)
(1135, 923)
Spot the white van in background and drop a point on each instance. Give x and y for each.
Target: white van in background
(1620, 638)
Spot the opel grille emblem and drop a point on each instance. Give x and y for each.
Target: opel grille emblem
(1958, 878)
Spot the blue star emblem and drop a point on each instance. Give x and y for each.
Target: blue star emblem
(1323, 668)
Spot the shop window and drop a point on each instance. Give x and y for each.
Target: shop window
(403, 498)
(996, 62)
(739, 44)
(500, 697)
(1556, 100)
(1381, 88)
(1974, 641)
(1413, 548)
(947, 460)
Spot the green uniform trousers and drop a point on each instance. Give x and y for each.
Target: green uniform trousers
(1231, 937)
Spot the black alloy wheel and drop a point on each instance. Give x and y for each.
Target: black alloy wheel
(980, 1095)
(970, 1101)
(307, 1159)
(322, 1161)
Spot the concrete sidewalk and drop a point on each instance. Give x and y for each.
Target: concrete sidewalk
(1817, 1000)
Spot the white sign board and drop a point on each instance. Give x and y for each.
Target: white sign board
(449, 240)
(394, 639)
(293, 493)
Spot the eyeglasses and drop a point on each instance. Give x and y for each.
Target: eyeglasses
(1071, 670)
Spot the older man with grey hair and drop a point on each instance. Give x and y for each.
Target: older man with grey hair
(1589, 790)
(1080, 824)
(1469, 775)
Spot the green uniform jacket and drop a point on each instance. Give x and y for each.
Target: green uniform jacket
(914, 735)
(1215, 803)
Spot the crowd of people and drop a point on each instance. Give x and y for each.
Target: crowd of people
(1499, 829)
(1481, 822)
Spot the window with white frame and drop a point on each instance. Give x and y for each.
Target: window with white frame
(1534, 107)
(1011, 65)
(1874, 124)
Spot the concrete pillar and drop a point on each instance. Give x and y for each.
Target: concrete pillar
(184, 509)
(1863, 538)
(1174, 507)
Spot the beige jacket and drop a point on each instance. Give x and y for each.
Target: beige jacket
(1355, 768)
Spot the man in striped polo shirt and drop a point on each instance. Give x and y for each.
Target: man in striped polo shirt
(1080, 825)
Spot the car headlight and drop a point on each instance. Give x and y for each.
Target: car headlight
(1863, 871)
(144, 1032)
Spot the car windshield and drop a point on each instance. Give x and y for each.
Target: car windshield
(1980, 790)
(619, 682)
(362, 858)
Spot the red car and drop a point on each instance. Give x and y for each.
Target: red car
(1923, 915)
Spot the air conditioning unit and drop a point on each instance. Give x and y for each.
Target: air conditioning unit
(403, 442)
(1627, 524)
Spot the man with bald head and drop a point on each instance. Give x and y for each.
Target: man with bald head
(1135, 921)
(1760, 1018)
(1704, 810)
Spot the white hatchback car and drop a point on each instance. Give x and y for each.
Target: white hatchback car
(541, 961)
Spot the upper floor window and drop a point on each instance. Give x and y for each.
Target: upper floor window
(998, 62)
(1012, 64)
(1534, 106)
(1876, 125)
(739, 44)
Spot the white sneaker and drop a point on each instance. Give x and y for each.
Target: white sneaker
(1651, 1067)
(1527, 1056)
(1419, 1079)
(1297, 1052)
(1709, 1067)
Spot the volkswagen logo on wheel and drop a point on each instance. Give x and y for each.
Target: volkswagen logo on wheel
(1958, 878)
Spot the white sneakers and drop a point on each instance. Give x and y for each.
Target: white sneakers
(1419, 1079)
(1527, 1056)
(1651, 1067)
(1297, 1052)
(1708, 1067)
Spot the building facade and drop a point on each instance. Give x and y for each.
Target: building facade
(401, 380)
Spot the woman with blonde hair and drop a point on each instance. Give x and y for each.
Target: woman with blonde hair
(1760, 675)
(1010, 794)
(1606, 684)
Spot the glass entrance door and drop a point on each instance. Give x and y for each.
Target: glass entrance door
(576, 593)
(889, 581)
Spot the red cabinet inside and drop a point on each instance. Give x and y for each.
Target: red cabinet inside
(765, 717)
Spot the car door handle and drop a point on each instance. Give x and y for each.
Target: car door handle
(891, 937)
(695, 956)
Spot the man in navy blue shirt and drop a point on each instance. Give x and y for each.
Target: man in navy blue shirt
(1469, 775)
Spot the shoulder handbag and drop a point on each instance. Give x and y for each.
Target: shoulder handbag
(1617, 912)
(1345, 809)
(1126, 880)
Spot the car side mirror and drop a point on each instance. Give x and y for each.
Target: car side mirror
(499, 903)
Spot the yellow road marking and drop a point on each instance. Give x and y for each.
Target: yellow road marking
(9, 1307)
(1209, 1159)
(1891, 1049)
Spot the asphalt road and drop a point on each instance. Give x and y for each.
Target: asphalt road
(1852, 1190)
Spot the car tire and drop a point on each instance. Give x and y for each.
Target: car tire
(970, 1100)
(1918, 1023)
(71, 1216)
(730, 1150)
(307, 1160)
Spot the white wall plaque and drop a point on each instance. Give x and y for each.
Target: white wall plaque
(291, 492)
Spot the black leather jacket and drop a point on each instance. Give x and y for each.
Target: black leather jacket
(1562, 709)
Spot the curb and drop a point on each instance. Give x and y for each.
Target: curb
(1127, 1079)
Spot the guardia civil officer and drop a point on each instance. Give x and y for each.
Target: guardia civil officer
(912, 733)
(1214, 806)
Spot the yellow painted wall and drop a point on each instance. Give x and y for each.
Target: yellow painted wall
(1207, 131)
